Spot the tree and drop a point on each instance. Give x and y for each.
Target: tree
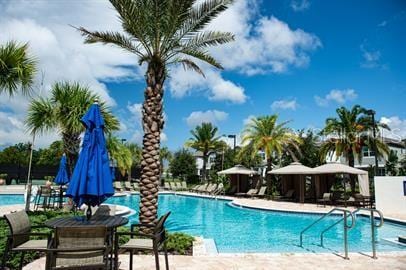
(183, 165)
(348, 134)
(392, 163)
(309, 149)
(402, 169)
(17, 68)
(246, 157)
(63, 112)
(164, 155)
(120, 153)
(265, 134)
(50, 155)
(205, 140)
(161, 33)
(17, 154)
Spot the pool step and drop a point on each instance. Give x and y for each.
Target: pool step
(210, 245)
(204, 247)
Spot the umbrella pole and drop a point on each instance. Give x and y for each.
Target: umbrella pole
(60, 196)
(88, 212)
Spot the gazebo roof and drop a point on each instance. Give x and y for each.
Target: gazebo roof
(293, 168)
(238, 169)
(335, 167)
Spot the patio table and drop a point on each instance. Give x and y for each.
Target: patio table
(111, 222)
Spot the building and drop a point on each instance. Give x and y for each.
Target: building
(368, 156)
(199, 162)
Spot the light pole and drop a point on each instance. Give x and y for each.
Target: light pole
(372, 114)
(123, 141)
(234, 137)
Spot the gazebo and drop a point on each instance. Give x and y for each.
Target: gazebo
(294, 177)
(239, 176)
(325, 177)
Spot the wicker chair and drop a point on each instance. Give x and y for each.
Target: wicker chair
(148, 242)
(19, 239)
(79, 248)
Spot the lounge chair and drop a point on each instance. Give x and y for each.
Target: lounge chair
(19, 238)
(117, 186)
(195, 188)
(202, 188)
(178, 186)
(184, 185)
(219, 190)
(261, 193)
(82, 247)
(127, 186)
(136, 186)
(249, 193)
(211, 188)
(167, 186)
(326, 199)
(173, 186)
(154, 242)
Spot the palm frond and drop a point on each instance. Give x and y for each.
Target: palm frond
(203, 56)
(188, 64)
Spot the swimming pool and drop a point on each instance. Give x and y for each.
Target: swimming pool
(249, 230)
(11, 199)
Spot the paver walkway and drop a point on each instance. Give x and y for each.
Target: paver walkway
(261, 262)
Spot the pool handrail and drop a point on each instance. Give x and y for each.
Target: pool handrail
(345, 225)
(373, 227)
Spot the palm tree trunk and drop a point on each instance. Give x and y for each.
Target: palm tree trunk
(152, 120)
(351, 163)
(71, 145)
(204, 167)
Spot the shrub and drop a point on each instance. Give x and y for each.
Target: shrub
(179, 243)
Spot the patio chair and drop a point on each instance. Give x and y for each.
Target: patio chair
(184, 185)
(210, 189)
(173, 186)
(43, 197)
(154, 242)
(326, 199)
(167, 186)
(202, 188)
(219, 190)
(82, 247)
(261, 193)
(19, 238)
(127, 186)
(136, 186)
(178, 186)
(117, 186)
(249, 193)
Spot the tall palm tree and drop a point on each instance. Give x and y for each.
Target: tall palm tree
(348, 134)
(205, 140)
(17, 68)
(63, 112)
(161, 33)
(265, 134)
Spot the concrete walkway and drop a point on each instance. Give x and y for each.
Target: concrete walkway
(260, 262)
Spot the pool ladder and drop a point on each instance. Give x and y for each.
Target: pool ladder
(346, 227)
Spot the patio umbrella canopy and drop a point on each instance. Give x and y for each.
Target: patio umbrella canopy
(293, 168)
(62, 177)
(238, 170)
(91, 182)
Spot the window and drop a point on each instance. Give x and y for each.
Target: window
(366, 152)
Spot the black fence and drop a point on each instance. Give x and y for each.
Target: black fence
(19, 173)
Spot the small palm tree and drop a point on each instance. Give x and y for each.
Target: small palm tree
(120, 153)
(63, 112)
(17, 68)
(348, 134)
(205, 140)
(160, 33)
(265, 134)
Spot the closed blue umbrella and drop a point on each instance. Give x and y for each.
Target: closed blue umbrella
(62, 178)
(91, 182)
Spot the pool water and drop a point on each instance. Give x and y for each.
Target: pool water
(237, 229)
(11, 199)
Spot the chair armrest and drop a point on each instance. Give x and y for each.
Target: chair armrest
(40, 226)
(31, 234)
(84, 249)
(151, 236)
(141, 225)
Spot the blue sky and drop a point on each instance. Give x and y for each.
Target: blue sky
(299, 59)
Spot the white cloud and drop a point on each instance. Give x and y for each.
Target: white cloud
(210, 116)
(338, 96)
(136, 111)
(299, 5)
(371, 59)
(183, 83)
(397, 126)
(284, 104)
(60, 51)
(248, 120)
(383, 24)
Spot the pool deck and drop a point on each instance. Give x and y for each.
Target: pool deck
(260, 262)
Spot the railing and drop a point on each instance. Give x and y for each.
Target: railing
(345, 226)
(373, 227)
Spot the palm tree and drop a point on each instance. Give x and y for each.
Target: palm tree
(348, 134)
(164, 154)
(63, 112)
(161, 33)
(205, 140)
(120, 153)
(17, 68)
(265, 134)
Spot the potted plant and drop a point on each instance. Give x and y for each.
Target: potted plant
(3, 177)
(49, 180)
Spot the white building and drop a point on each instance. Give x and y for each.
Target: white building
(368, 156)
(199, 162)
